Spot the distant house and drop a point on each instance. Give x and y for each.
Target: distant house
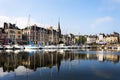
(65, 39)
(3, 36)
(112, 38)
(91, 39)
(69, 39)
(13, 32)
(72, 39)
(101, 39)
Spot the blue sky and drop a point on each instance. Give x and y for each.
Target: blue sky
(76, 16)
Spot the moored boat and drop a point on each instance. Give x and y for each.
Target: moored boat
(8, 47)
(16, 46)
(31, 45)
(50, 47)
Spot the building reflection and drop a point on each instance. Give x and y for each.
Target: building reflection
(9, 61)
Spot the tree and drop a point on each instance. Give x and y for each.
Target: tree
(81, 40)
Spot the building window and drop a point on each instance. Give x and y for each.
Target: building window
(12, 37)
(19, 37)
(19, 32)
(11, 31)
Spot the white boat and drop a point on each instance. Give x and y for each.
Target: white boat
(31, 47)
(73, 47)
(16, 46)
(8, 46)
(30, 50)
(13, 47)
(50, 47)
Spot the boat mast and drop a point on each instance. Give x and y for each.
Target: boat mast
(28, 26)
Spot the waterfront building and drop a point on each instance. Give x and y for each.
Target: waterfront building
(68, 39)
(13, 32)
(53, 35)
(30, 33)
(46, 36)
(72, 39)
(35, 34)
(65, 39)
(112, 38)
(91, 39)
(3, 36)
(41, 35)
(101, 39)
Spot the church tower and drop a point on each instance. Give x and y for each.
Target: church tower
(59, 30)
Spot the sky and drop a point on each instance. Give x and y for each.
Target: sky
(76, 16)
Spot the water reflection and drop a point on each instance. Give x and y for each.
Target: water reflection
(11, 61)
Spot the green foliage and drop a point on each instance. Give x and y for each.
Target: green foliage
(81, 40)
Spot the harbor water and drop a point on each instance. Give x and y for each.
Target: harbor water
(60, 64)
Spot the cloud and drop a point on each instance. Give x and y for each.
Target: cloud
(21, 22)
(102, 21)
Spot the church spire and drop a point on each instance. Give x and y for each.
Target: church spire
(59, 30)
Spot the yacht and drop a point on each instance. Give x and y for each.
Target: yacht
(31, 46)
(50, 47)
(16, 46)
(8, 47)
